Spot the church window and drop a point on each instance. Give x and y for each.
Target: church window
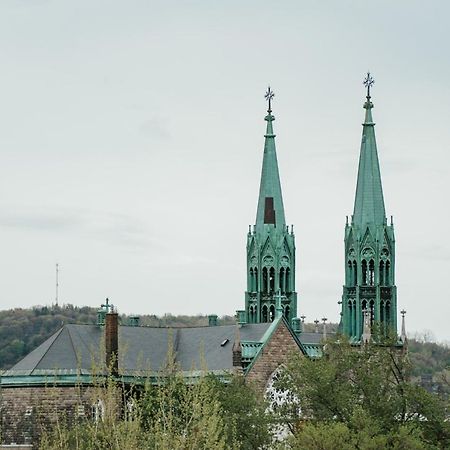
(98, 411)
(288, 280)
(388, 314)
(264, 313)
(265, 280)
(278, 397)
(253, 314)
(287, 313)
(272, 313)
(371, 272)
(282, 281)
(364, 272)
(382, 273)
(130, 411)
(388, 275)
(272, 280)
(350, 274)
(364, 307)
(255, 273)
(354, 317)
(350, 319)
(251, 281)
(355, 273)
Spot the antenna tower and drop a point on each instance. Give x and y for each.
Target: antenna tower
(57, 283)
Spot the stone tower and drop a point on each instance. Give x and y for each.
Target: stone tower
(369, 245)
(270, 244)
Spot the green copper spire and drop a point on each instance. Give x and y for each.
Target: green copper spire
(369, 293)
(270, 245)
(270, 204)
(369, 202)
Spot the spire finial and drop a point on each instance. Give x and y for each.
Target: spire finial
(368, 83)
(403, 337)
(269, 97)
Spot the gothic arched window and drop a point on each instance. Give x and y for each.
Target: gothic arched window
(287, 312)
(388, 314)
(350, 318)
(364, 272)
(355, 273)
(272, 280)
(272, 313)
(287, 283)
(381, 273)
(264, 315)
(265, 280)
(350, 274)
(371, 273)
(251, 283)
(388, 274)
(255, 272)
(282, 281)
(98, 411)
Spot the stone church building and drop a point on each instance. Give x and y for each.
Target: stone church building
(58, 375)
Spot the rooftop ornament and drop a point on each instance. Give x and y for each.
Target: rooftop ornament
(269, 95)
(368, 83)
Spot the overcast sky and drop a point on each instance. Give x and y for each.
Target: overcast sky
(131, 143)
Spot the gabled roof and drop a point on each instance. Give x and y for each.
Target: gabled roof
(79, 349)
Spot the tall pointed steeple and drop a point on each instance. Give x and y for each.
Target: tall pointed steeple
(369, 291)
(270, 203)
(270, 245)
(369, 202)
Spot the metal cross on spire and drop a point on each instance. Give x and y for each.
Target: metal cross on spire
(368, 83)
(269, 97)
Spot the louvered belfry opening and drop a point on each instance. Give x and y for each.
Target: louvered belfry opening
(269, 212)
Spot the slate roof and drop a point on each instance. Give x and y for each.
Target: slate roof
(312, 343)
(78, 349)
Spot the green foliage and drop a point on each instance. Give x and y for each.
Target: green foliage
(244, 412)
(362, 394)
(339, 436)
(171, 415)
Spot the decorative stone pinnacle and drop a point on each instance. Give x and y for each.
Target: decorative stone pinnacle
(269, 95)
(317, 325)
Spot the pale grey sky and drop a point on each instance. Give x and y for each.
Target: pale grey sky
(131, 140)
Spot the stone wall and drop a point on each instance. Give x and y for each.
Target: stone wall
(275, 353)
(26, 412)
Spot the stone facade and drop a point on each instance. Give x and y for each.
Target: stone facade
(27, 412)
(276, 352)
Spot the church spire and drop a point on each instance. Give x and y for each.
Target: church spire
(270, 245)
(369, 294)
(270, 203)
(369, 202)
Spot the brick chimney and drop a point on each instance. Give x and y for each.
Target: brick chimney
(112, 342)
(237, 353)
